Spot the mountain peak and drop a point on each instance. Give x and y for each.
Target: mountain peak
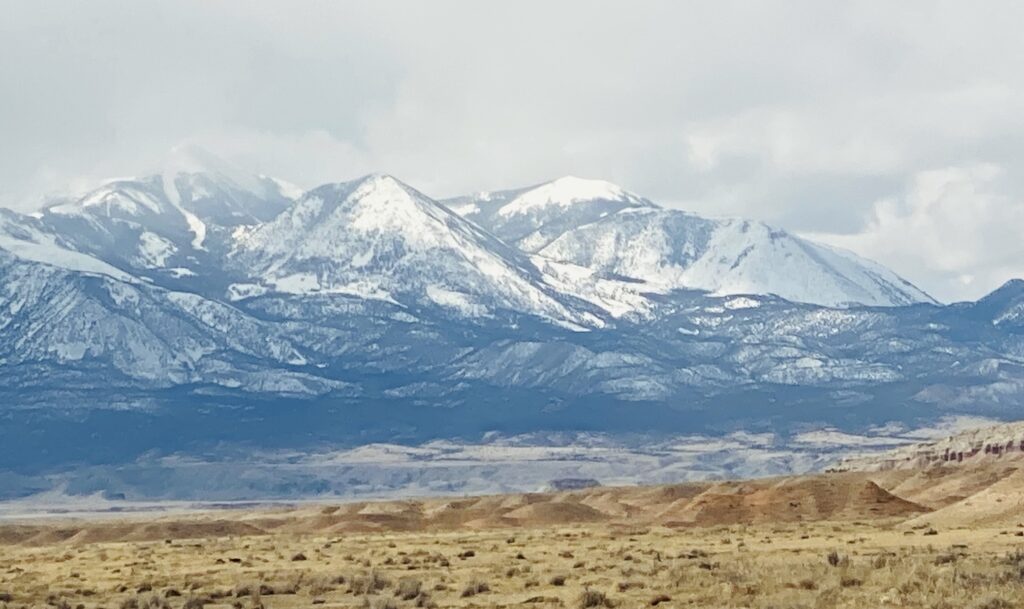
(382, 182)
(127, 196)
(191, 158)
(1013, 286)
(1004, 305)
(381, 178)
(566, 191)
(191, 163)
(335, 217)
(375, 193)
(595, 187)
(530, 218)
(1009, 292)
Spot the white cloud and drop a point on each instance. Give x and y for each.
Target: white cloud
(958, 231)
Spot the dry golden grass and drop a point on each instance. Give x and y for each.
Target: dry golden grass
(599, 548)
(797, 565)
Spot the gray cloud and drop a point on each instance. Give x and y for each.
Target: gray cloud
(814, 116)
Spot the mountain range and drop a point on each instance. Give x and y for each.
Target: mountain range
(204, 309)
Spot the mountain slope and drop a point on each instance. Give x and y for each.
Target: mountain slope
(670, 249)
(133, 334)
(26, 238)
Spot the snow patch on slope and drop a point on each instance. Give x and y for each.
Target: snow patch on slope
(195, 225)
(618, 298)
(154, 250)
(241, 291)
(455, 300)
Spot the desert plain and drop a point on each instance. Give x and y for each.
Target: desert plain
(945, 537)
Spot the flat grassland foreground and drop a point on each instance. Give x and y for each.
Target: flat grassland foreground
(838, 540)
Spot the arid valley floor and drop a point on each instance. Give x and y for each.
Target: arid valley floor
(941, 537)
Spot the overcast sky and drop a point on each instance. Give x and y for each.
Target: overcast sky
(895, 129)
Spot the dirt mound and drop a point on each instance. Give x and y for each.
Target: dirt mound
(1000, 504)
(16, 534)
(838, 497)
(555, 512)
(937, 487)
(171, 529)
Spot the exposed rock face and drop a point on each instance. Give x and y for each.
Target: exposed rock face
(1004, 441)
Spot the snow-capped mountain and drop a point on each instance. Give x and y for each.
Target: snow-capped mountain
(377, 238)
(602, 227)
(200, 308)
(670, 249)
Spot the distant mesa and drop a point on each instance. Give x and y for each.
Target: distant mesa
(1004, 442)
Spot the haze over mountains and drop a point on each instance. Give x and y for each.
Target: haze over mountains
(202, 307)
